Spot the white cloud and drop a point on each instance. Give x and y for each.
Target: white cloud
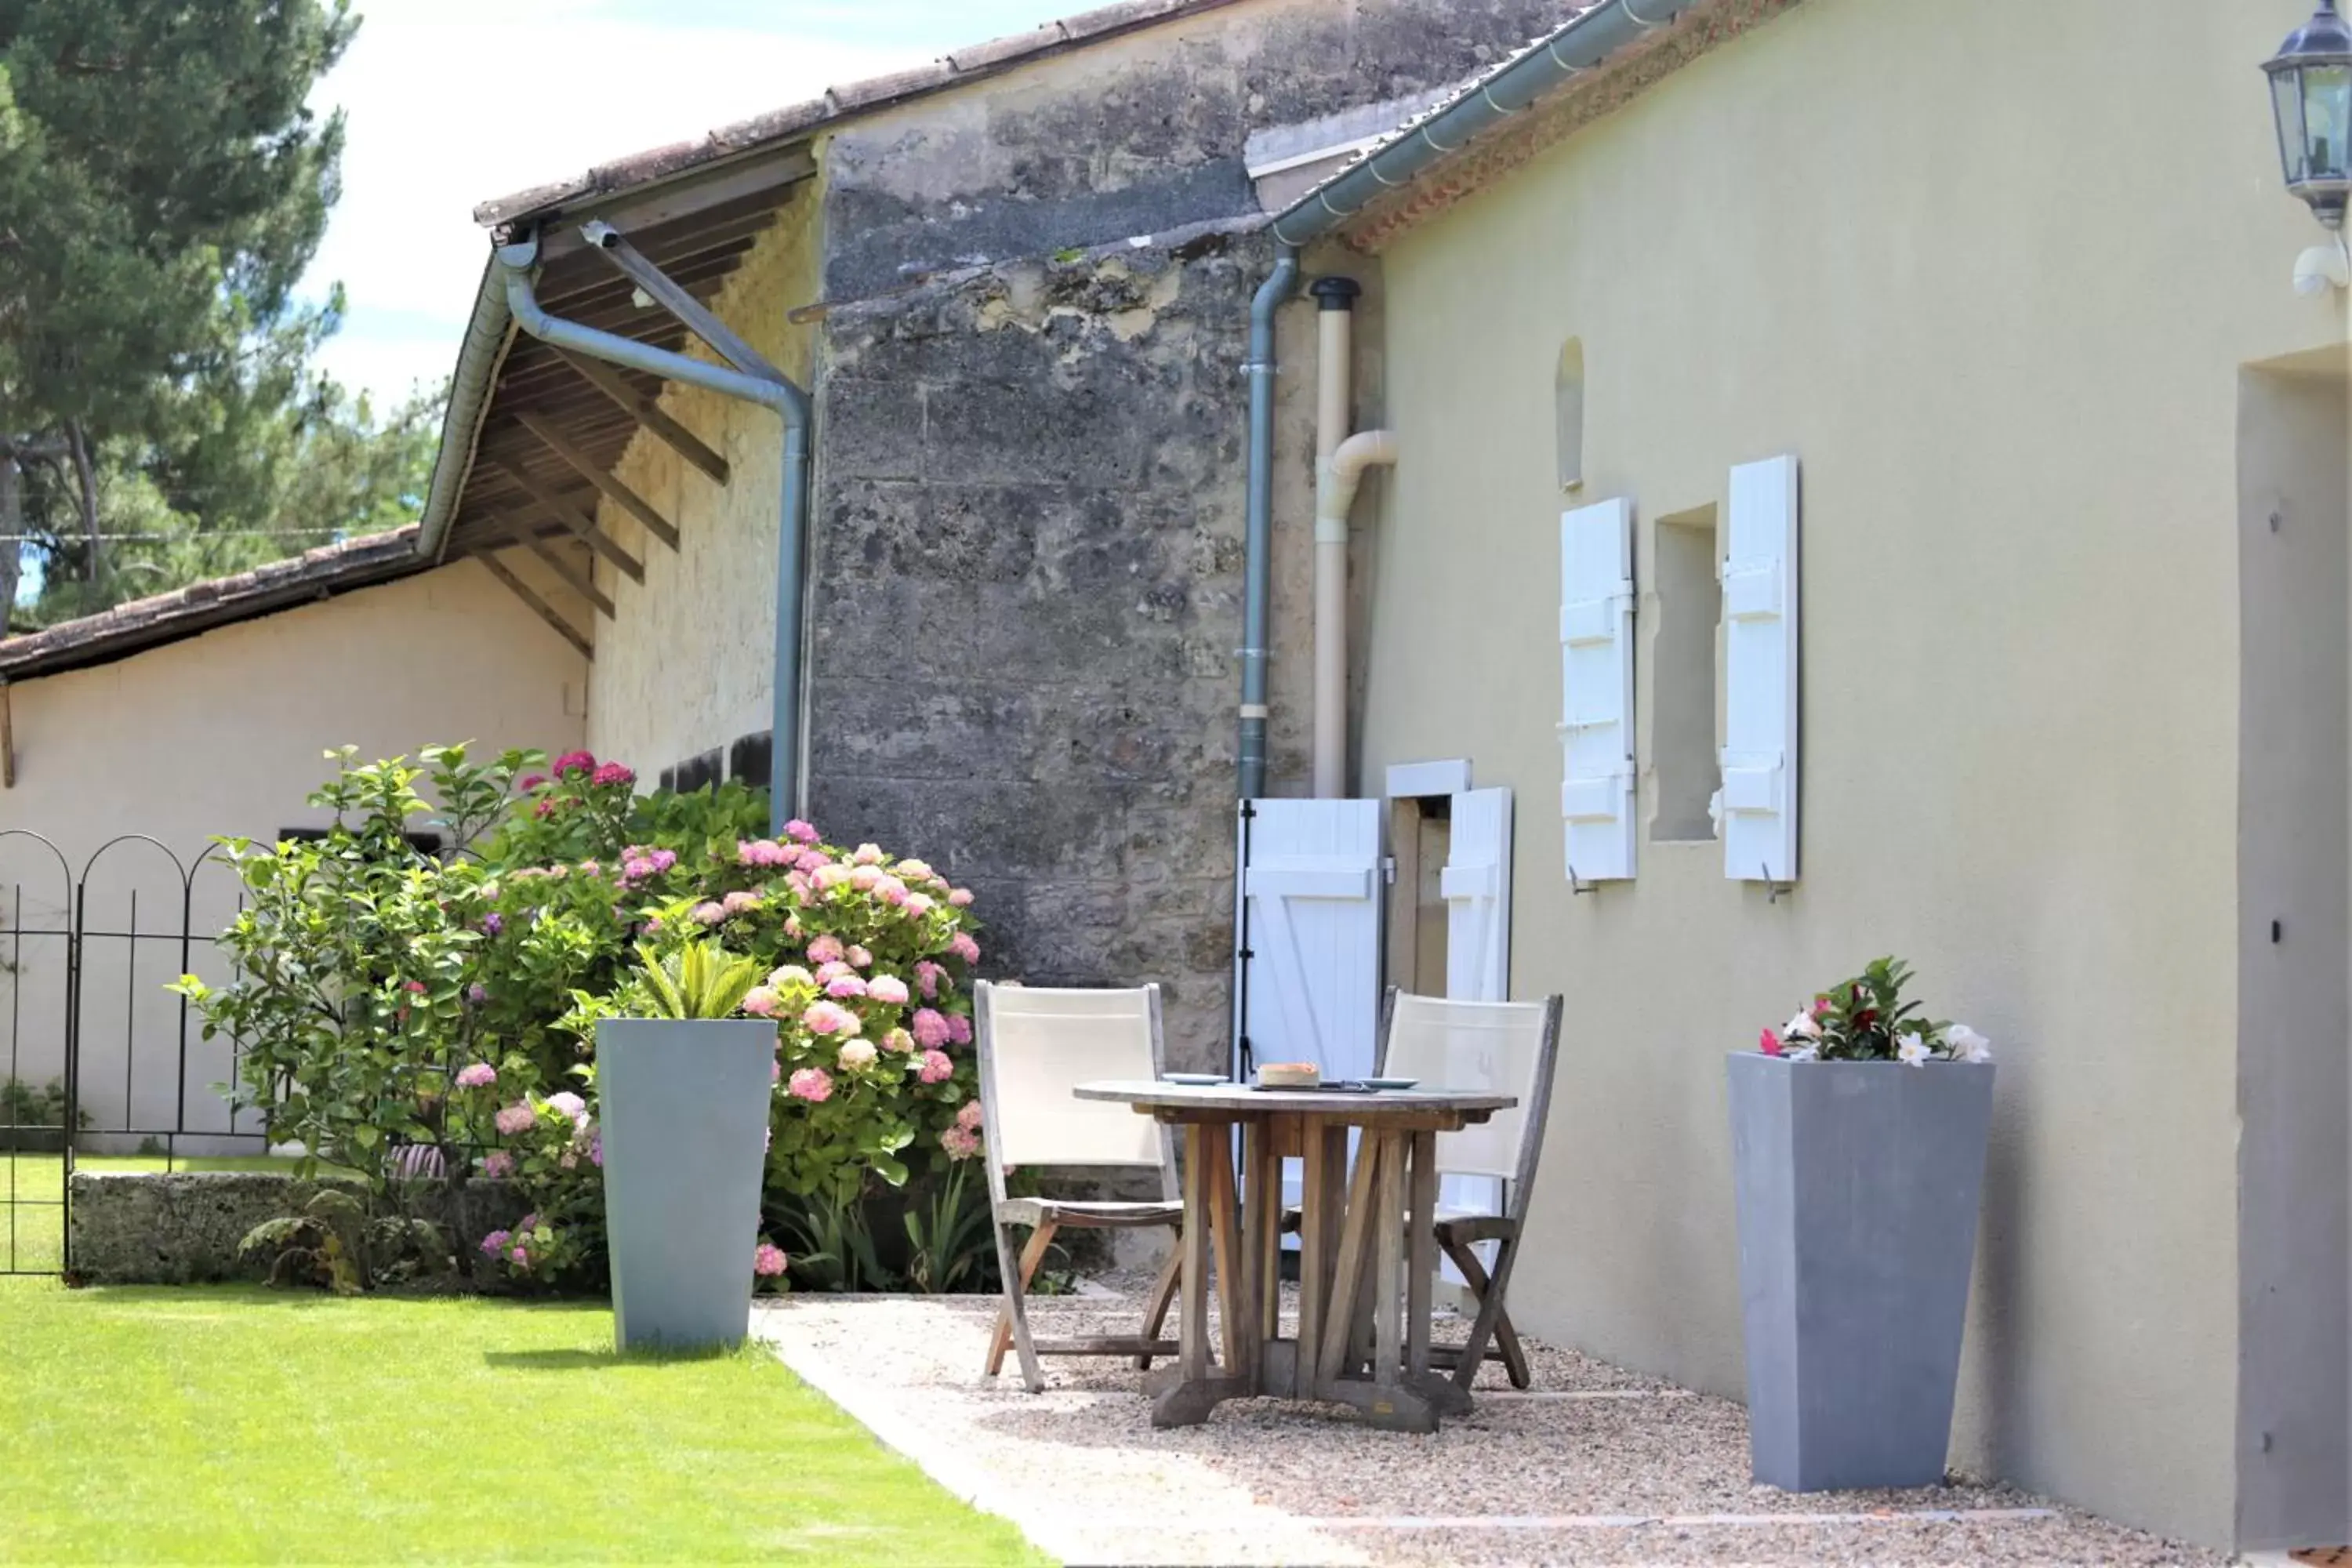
(451, 102)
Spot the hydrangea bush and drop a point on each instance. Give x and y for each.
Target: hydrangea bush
(468, 991)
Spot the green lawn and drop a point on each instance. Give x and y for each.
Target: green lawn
(30, 1229)
(221, 1424)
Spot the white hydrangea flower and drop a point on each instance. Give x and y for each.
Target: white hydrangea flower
(1965, 1045)
(1803, 1026)
(1912, 1051)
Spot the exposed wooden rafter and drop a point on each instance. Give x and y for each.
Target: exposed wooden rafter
(537, 606)
(588, 468)
(648, 415)
(581, 583)
(572, 518)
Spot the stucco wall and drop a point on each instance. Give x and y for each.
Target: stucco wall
(223, 734)
(1989, 270)
(686, 665)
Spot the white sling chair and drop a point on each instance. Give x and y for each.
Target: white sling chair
(1035, 1046)
(1509, 1047)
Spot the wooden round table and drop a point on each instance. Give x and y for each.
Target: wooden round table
(1363, 1336)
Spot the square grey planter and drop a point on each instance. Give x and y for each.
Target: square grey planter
(683, 1111)
(1858, 1186)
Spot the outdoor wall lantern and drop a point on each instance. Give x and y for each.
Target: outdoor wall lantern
(2310, 93)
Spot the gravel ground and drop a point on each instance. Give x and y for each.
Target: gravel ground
(1595, 1464)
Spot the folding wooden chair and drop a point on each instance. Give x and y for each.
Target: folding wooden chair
(1035, 1046)
(1510, 1048)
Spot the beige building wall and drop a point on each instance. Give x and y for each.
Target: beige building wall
(225, 733)
(1990, 272)
(687, 663)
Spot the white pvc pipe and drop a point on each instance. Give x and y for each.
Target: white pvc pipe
(1336, 482)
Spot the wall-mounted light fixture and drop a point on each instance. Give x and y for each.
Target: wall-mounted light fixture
(2311, 94)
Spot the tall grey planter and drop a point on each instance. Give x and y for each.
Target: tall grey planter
(1858, 1186)
(683, 1111)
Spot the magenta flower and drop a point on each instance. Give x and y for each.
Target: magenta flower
(493, 923)
(520, 1256)
(812, 1084)
(964, 947)
(845, 986)
(478, 992)
(572, 762)
(888, 989)
(638, 867)
(495, 1243)
(959, 1029)
(414, 987)
(476, 1075)
(497, 1164)
(513, 1118)
(936, 1068)
(769, 1261)
(927, 977)
(931, 1028)
(529, 782)
(663, 859)
(968, 1115)
(613, 774)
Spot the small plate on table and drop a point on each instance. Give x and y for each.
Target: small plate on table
(1194, 1079)
(1396, 1083)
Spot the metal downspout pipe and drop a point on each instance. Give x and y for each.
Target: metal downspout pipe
(755, 382)
(1258, 565)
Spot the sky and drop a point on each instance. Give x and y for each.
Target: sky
(450, 103)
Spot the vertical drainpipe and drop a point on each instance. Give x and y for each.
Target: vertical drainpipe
(1258, 566)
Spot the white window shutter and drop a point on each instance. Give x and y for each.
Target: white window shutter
(1596, 644)
(1476, 885)
(1760, 675)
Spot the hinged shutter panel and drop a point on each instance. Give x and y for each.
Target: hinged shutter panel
(1476, 883)
(1596, 643)
(1761, 674)
(1313, 886)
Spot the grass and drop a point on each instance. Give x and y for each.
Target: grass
(236, 1424)
(32, 1185)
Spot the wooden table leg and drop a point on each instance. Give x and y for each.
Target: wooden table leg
(1317, 1204)
(1281, 1131)
(1246, 1302)
(1421, 1254)
(1388, 1279)
(1222, 1215)
(1356, 1244)
(1188, 1402)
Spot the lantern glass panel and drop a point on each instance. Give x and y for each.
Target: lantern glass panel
(2327, 121)
(2286, 90)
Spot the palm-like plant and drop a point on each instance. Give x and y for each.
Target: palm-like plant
(701, 980)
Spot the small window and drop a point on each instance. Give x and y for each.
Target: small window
(1568, 406)
(1688, 767)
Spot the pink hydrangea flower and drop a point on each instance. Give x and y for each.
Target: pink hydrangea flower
(867, 855)
(825, 949)
(798, 883)
(812, 1084)
(663, 859)
(961, 898)
(960, 1144)
(790, 975)
(513, 1118)
(845, 986)
(918, 905)
(638, 867)
(567, 1161)
(493, 923)
(569, 1103)
(891, 891)
(857, 1054)
(519, 1256)
(968, 1115)
(915, 870)
(591, 868)
(572, 762)
(888, 989)
(740, 902)
(764, 852)
(930, 1027)
(897, 1040)
(800, 831)
(476, 1075)
(830, 1018)
(865, 878)
(709, 913)
(857, 958)
(776, 1070)
(959, 1029)
(495, 1242)
(826, 972)
(498, 1163)
(827, 877)
(769, 1261)
(936, 1068)
(762, 1001)
(927, 977)
(964, 947)
(613, 774)
(813, 860)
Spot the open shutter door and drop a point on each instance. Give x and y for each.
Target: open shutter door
(1761, 674)
(1596, 644)
(1476, 882)
(1314, 978)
